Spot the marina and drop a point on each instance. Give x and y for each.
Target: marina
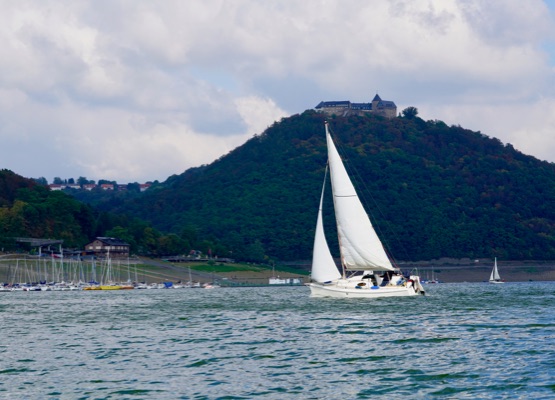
(41, 274)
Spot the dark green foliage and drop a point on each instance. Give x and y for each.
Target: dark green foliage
(410, 112)
(41, 181)
(431, 190)
(31, 210)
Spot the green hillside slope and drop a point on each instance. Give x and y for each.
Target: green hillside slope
(31, 210)
(431, 190)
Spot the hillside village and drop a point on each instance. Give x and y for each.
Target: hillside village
(92, 186)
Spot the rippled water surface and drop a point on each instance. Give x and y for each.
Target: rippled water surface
(475, 341)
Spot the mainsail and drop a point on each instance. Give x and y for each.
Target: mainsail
(360, 247)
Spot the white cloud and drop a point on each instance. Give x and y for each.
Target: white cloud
(257, 113)
(137, 90)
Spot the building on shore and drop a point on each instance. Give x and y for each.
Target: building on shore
(104, 247)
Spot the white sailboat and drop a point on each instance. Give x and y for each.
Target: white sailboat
(494, 277)
(366, 269)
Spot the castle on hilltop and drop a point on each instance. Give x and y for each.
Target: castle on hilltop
(385, 108)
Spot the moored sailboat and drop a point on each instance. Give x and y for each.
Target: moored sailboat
(366, 269)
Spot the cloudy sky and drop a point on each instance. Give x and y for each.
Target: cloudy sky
(133, 90)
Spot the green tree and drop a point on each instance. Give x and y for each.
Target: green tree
(149, 241)
(410, 112)
(255, 252)
(171, 244)
(121, 233)
(41, 181)
(83, 181)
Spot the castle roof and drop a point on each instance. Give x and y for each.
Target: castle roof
(386, 104)
(383, 103)
(325, 104)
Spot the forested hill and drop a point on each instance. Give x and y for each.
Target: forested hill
(31, 210)
(432, 191)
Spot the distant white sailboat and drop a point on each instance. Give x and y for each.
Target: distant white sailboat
(366, 269)
(494, 277)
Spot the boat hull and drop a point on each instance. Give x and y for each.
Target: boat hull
(110, 287)
(334, 290)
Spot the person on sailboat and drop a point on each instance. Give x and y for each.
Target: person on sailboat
(372, 278)
(386, 278)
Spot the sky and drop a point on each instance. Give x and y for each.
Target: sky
(139, 90)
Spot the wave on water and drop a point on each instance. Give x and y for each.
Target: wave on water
(460, 341)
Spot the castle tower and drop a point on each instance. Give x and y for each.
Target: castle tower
(384, 108)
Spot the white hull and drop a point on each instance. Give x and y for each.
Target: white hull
(339, 290)
(496, 282)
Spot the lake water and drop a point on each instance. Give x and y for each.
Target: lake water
(462, 341)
